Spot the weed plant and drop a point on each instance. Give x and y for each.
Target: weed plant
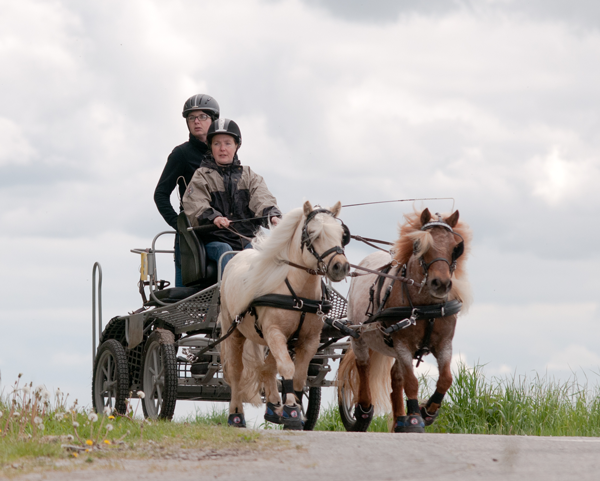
(38, 425)
(533, 406)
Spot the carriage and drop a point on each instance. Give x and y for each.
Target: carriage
(167, 349)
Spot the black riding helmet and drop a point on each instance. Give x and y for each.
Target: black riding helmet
(202, 102)
(224, 126)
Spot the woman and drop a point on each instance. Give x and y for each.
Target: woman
(223, 191)
(199, 111)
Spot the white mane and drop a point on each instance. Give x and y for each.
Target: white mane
(258, 271)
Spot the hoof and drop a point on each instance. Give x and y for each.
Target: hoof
(429, 419)
(362, 415)
(412, 423)
(291, 417)
(271, 413)
(236, 420)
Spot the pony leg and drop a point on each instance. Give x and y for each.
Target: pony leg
(233, 370)
(269, 380)
(277, 343)
(397, 394)
(403, 376)
(430, 409)
(305, 351)
(363, 367)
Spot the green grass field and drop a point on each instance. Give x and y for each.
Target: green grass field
(34, 424)
(475, 404)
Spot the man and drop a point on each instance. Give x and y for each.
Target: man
(199, 111)
(228, 194)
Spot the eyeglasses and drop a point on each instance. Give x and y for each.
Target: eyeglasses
(192, 118)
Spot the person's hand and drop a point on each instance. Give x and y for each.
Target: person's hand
(221, 222)
(275, 221)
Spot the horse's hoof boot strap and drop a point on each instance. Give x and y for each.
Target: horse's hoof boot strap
(271, 415)
(429, 419)
(360, 413)
(292, 417)
(409, 424)
(236, 420)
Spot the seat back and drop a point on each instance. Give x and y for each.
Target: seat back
(196, 268)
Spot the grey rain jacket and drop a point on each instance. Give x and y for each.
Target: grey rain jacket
(235, 192)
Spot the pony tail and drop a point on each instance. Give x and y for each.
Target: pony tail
(253, 358)
(380, 379)
(347, 376)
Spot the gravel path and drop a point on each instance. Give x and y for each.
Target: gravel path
(367, 456)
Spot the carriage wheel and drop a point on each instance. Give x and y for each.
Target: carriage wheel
(311, 405)
(159, 377)
(346, 407)
(110, 384)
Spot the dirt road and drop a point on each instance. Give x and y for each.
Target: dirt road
(368, 456)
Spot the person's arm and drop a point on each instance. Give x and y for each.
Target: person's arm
(262, 202)
(196, 201)
(166, 184)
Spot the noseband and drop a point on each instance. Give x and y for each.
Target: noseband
(336, 250)
(458, 250)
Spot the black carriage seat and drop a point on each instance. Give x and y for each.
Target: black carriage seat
(197, 270)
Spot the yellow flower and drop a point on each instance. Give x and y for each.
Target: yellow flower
(107, 441)
(75, 455)
(87, 450)
(111, 417)
(89, 442)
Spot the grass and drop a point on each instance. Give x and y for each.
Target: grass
(533, 406)
(36, 430)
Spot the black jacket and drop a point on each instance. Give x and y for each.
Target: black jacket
(235, 192)
(182, 162)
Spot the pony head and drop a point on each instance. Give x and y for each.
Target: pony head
(322, 240)
(437, 246)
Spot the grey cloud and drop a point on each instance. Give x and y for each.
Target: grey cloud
(584, 14)
(384, 11)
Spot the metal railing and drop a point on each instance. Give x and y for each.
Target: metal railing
(96, 309)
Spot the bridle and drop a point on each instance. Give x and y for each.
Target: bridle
(305, 241)
(458, 250)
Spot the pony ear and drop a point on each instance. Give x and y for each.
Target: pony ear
(335, 210)
(307, 208)
(425, 216)
(452, 220)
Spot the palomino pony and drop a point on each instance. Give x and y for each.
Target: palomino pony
(284, 268)
(401, 321)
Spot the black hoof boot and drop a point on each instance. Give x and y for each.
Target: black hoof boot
(291, 417)
(271, 413)
(236, 420)
(363, 418)
(413, 423)
(429, 419)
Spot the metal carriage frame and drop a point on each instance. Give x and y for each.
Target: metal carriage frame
(149, 351)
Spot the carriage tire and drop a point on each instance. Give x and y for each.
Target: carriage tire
(352, 424)
(159, 376)
(313, 407)
(111, 377)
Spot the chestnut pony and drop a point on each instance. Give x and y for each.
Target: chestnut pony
(304, 246)
(432, 252)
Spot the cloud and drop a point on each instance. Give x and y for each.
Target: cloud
(574, 356)
(581, 14)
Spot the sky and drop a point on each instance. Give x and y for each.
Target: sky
(491, 102)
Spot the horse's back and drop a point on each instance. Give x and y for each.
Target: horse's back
(358, 295)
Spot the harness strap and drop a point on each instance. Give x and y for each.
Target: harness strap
(424, 349)
(291, 303)
(229, 332)
(421, 312)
